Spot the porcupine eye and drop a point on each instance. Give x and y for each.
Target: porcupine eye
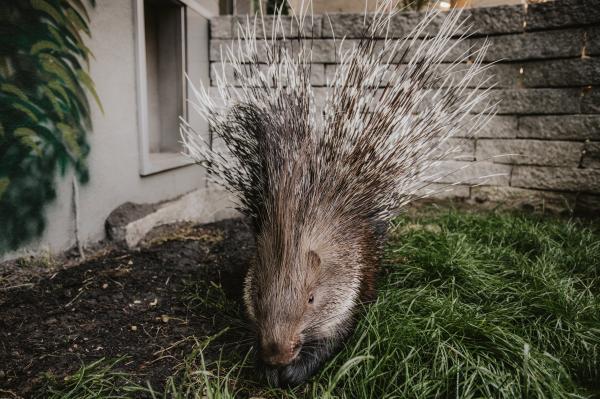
(311, 298)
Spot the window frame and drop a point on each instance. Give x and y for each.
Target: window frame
(152, 163)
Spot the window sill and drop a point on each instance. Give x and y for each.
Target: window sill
(163, 161)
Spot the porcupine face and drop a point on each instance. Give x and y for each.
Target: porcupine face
(302, 303)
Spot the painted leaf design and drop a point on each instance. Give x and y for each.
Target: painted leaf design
(69, 137)
(55, 101)
(29, 138)
(44, 119)
(32, 116)
(44, 45)
(85, 78)
(10, 88)
(48, 9)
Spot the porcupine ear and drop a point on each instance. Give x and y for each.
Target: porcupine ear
(314, 260)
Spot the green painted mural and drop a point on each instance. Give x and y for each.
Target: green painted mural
(44, 109)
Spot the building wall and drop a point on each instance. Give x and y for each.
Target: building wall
(548, 84)
(114, 161)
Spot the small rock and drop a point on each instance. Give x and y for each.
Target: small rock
(164, 318)
(133, 328)
(104, 286)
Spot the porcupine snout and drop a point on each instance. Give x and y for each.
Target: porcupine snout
(279, 353)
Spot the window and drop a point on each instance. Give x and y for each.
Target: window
(172, 40)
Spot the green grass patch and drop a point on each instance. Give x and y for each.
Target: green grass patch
(470, 306)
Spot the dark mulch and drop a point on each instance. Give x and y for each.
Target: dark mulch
(119, 303)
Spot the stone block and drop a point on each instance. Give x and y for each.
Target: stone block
(221, 27)
(591, 155)
(524, 199)
(494, 20)
(469, 173)
(562, 13)
(535, 101)
(592, 41)
(497, 75)
(556, 178)
(561, 73)
(499, 126)
(352, 26)
(560, 127)
(287, 29)
(317, 73)
(530, 152)
(458, 149)
(533, 45)
(443, 191)
(590, 100)
(128, 224)
(343, 25)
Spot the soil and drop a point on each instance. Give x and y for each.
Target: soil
(132, 303)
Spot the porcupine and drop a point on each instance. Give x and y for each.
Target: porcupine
(316, 179)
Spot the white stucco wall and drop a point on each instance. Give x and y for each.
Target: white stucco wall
(114, 163)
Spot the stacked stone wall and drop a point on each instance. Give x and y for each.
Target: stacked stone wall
(546, 67)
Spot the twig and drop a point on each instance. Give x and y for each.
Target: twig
(17, 286)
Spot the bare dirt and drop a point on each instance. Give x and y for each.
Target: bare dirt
(132, 303)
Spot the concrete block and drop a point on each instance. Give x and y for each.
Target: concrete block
(591, 155)
(317, 73)
(534, 45)
(289, 27)
(560, 127)
(503, 76)
(403, 23)
(405, 51)
(590, 100)
(468, 173)
(556, 178)
(221, 47)
(221, 27)
(592, 41)
(443, 191)
(499, 126)
(494, 20)
(530, 152)
(524, 199)
(128, 224)
(353, 25)
(562, 13)
(458, 149)
(323, 50)
(536, 101)
(343, 25)
(497, 75)
(561, 73)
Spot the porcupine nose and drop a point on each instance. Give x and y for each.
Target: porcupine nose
(278, 354)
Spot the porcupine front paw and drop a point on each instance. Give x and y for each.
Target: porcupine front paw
(304, 366)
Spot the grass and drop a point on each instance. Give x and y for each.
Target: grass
(470, 306)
